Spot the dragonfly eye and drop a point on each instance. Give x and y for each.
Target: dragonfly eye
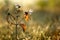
(26, 13)
(18, 6)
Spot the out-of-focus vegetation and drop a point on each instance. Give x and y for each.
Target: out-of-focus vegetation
(44, 23)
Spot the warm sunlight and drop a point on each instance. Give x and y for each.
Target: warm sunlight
(24, 2)
(27, 2)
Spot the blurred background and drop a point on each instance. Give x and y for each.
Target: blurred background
(44, 23)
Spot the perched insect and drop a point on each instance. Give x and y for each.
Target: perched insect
(23, 27)
(27, 15)
(17, 6)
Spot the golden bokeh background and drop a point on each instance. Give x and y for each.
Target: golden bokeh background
(44, 23)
